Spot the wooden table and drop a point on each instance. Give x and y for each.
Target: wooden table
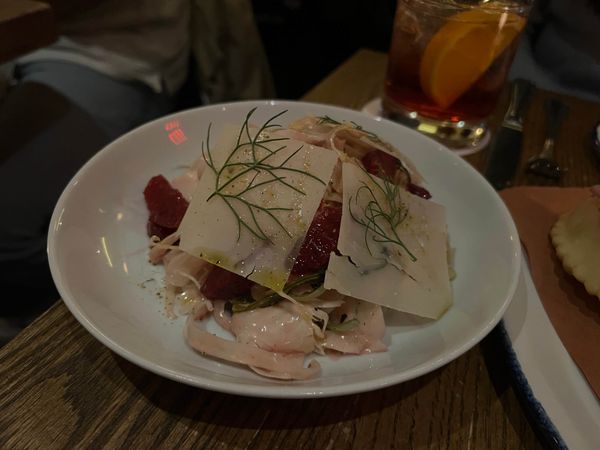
(60, 388)
(25, 25)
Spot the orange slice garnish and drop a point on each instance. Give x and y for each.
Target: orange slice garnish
(463, 49)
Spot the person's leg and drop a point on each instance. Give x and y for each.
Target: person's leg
(58, 117)
(44, 140)
(117, 106)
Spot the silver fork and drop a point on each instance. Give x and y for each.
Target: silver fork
(544, 163)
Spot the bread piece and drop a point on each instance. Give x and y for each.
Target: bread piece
(576, 238)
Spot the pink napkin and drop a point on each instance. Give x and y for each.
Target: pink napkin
(574, 313)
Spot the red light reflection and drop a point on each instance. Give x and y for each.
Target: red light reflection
(177, 136)
(172, 125)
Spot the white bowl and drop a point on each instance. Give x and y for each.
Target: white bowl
(97, 247)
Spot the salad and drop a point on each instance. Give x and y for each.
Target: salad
(295, 240)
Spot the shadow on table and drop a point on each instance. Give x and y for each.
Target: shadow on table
(262, 413)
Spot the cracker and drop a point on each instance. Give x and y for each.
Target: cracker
(576, 238)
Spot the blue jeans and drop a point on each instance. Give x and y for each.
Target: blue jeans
(116, 106)
(55, 119)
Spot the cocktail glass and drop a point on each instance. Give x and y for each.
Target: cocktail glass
(448, 63)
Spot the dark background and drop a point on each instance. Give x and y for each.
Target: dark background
(307, 39)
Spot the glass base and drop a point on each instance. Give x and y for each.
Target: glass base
(462, 137)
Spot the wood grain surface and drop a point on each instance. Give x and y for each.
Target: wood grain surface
(63, 389)
(60, 388)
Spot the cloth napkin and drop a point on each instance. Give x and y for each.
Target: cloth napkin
(574, 313)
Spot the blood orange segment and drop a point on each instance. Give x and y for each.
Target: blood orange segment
(463, 49)
(166, 206)
(321, 239)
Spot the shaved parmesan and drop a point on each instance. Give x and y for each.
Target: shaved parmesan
(252, 208)
(404, 268)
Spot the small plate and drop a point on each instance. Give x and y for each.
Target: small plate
(98, 253)
(563, 404)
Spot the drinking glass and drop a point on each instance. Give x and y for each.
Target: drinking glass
(448, 63)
